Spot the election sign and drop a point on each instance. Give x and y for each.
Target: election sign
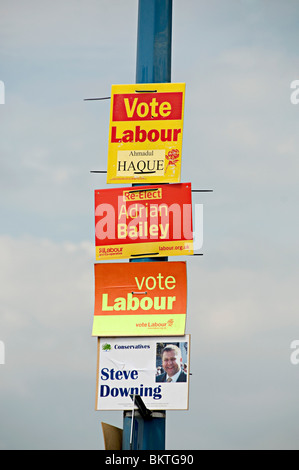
(139, 221)
(140, 299)
(156, 369)
(145, 133)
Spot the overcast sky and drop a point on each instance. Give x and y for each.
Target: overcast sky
(238, 59)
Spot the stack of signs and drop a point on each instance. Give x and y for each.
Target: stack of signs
(140, 308)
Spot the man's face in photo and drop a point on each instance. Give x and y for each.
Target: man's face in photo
(171, 362)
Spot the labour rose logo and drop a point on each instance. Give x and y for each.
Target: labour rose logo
(170, 322)
(172, 157)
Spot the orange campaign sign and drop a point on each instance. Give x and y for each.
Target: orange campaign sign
(145, 133)
(140, 299)
(140, 221)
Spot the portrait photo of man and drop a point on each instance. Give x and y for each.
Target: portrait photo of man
(171, 365)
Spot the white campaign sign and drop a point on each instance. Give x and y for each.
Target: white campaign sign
(141, 366)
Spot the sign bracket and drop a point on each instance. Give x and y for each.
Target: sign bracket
(143, 410)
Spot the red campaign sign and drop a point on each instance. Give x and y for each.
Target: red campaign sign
(153, 220)
(147, 106)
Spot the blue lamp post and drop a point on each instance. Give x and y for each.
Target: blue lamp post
(142, 429)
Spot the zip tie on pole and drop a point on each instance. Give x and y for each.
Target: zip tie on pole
(146, 254)
(95, 99)
(146, 91)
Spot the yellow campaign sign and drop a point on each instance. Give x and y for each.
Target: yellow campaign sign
(146, 133)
